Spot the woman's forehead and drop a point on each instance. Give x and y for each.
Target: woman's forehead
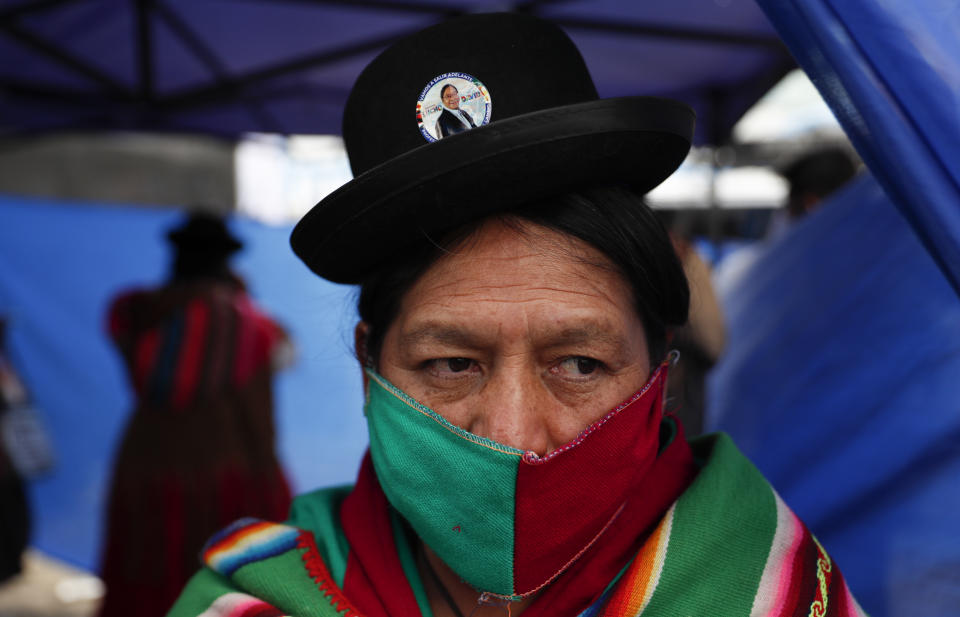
(504, 249)
(506, 237)
(527, 271)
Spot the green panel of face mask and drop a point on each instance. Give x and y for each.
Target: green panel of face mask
(456, 489)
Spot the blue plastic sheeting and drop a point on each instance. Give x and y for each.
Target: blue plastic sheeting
(891, 73)
(841, 383)
(60, 264)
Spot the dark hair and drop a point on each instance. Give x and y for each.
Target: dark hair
(444, 89)
(613, 220)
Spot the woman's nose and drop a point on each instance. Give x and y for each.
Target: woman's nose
(513, 408)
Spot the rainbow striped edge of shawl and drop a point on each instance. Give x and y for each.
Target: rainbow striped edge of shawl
(240, 605)
(773, 593)
(732, 546)
(245, 541)
(632, 594)
(774, 588)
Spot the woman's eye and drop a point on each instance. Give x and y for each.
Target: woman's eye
(579, 365)
(442, 366)
(457, 365)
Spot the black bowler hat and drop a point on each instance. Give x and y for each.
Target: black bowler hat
(204, 233)
(522, 122)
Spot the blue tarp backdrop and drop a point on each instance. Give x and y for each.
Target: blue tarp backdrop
(60, 264)
(890, 71)
(840, 381)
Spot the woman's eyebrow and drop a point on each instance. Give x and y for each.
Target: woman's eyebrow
(456, 336)
(440, 333)
(590, 333)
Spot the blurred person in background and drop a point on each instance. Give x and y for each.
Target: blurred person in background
(813, 176)
(701, 340)
(198, 450)
(14, 509)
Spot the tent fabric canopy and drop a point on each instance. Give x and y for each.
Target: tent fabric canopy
(286, 66)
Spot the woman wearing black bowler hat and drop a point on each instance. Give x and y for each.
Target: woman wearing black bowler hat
(516, 303)
(198, 448)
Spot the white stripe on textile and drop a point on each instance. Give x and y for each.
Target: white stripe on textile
(231, 605)
(778, 571)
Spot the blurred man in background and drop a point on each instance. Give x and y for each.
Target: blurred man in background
(815, 175)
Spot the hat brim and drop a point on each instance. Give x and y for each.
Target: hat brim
(437, 187)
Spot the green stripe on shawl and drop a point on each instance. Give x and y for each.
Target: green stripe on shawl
(728, 501)
(281, 579)
(441, 490)
(319, 513)
(200, 592)
(291, 594)
(409, 563)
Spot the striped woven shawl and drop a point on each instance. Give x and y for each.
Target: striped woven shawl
(727, 547)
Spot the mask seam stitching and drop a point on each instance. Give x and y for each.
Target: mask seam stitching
(459, 432)
(531, 458)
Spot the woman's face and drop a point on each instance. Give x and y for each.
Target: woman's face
(518, 337)
(451, 98)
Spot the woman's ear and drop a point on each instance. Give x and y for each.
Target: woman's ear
(360, 334)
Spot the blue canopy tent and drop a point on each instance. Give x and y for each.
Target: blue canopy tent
(286, 66)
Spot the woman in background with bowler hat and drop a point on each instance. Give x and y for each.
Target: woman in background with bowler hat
(198, 449)
(516, 304)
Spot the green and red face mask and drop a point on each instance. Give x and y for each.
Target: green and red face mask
(508, 522)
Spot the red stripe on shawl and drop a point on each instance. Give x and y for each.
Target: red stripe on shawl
(222, 326)
(374, 579)
(243, 351)
(119, 321)
(318, 571)
(804, 583)
(593, 475)
(839, 604)
(821, 593)
(145, 358)
(255, 337)
(188, 365)
(583, 583)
